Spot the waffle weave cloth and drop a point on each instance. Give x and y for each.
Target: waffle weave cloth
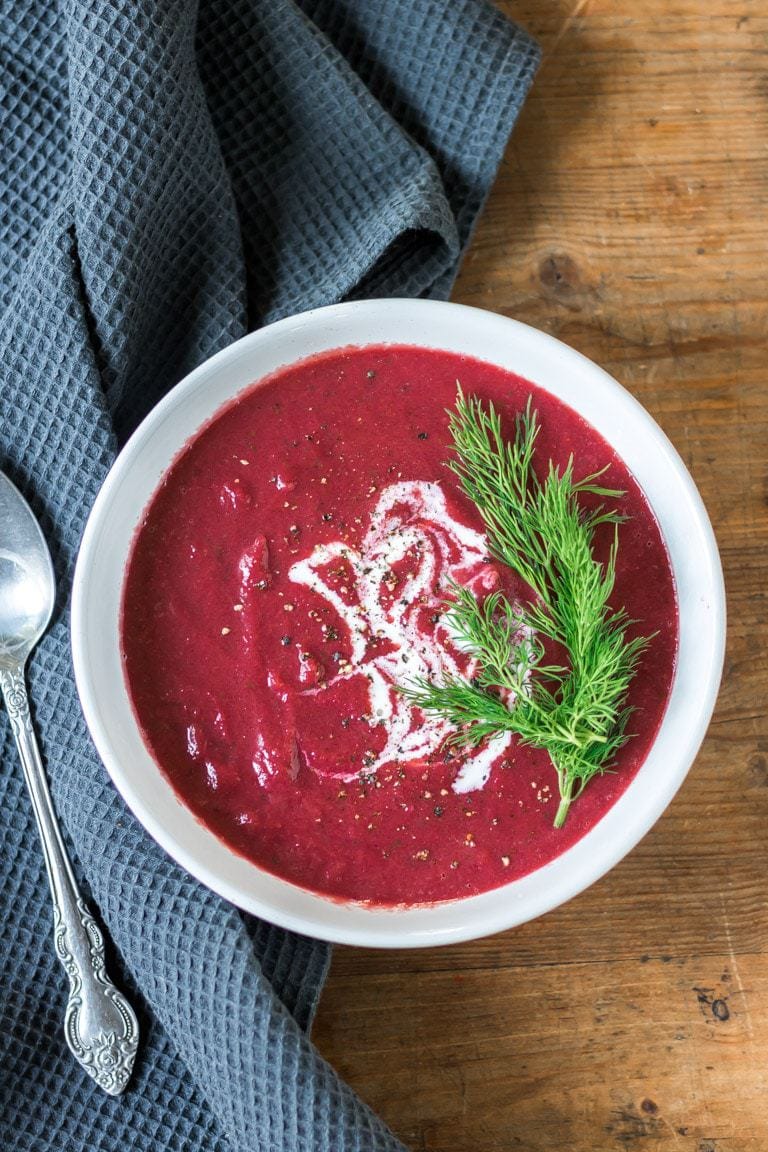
(171, 176)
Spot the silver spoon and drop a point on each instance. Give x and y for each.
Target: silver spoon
(99, 1024)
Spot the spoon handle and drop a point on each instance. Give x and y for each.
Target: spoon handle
(99, 1024)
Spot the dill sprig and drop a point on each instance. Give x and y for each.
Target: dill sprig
(577, 713)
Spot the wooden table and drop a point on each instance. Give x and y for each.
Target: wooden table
(629, 220)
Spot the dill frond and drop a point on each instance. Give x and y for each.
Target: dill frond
(578, 714)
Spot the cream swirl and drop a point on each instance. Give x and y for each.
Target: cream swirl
(410, 527)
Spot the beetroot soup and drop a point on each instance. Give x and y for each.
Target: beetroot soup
(291, 571)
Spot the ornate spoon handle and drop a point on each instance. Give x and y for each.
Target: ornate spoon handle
(100, 1026)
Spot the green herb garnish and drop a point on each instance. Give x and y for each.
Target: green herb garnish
(576, 712)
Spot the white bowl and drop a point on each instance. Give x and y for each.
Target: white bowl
(529, 353)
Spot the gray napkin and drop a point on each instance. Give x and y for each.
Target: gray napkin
(169, 179)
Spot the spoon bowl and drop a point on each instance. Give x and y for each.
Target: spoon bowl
(27, 583)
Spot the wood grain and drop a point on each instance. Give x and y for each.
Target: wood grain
(630, 219)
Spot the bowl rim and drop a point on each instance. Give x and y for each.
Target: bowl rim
(452, 921)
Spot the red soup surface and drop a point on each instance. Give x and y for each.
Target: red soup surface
(291, 570)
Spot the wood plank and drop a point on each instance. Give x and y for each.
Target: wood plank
(649, 1054)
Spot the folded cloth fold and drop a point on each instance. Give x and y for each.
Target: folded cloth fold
(170, 178)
